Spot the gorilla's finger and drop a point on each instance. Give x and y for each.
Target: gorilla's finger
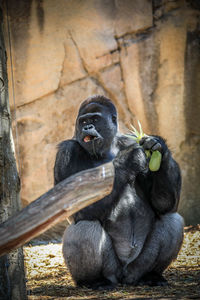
(142, 140)
(149, 143)
(157, 146)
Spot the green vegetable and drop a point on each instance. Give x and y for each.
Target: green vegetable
(154, 156)
(155, 161)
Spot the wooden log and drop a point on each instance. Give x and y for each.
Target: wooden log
(59, 203)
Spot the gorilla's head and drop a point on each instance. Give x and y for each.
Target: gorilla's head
(96, 125)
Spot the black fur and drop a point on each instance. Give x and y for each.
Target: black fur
(135, 231)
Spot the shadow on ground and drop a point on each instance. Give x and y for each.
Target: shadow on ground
(48, 278)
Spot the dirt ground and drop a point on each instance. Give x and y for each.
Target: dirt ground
(48, 277)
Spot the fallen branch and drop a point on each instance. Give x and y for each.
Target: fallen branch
(59, 203)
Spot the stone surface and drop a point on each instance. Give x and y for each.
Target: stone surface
(130, 62)
(170, 87)
(72, 68)
(132, 16)
(144, 55)
(41, 126)
(190, 147)
(112, 81)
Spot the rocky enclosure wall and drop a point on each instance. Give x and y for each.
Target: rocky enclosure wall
(144, 55)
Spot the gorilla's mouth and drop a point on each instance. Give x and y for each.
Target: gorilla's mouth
(89, 138)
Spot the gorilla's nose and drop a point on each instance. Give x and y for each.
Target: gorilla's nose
(88, 127)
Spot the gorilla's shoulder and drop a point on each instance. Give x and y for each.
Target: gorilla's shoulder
(68, 145)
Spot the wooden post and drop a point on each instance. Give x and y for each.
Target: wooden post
(59, 203)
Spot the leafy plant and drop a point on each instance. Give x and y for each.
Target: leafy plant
(155, 157)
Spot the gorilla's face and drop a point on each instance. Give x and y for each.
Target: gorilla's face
(96, 127)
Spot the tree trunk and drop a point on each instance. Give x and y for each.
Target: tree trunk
(12, 278)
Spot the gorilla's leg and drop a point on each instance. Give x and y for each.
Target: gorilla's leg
(161, 247)
(89, 255)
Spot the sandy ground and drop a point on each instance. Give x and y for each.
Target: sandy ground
(48, 277)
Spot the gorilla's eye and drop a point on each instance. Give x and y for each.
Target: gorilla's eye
(95, 119)
(114, 119)
(84, 122)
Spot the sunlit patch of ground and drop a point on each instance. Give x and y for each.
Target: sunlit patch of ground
(48, 277)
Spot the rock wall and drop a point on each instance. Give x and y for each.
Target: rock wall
(142, 54)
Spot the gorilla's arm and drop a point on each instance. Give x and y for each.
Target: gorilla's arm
(128, 163)
(71, 158)
(166, 182)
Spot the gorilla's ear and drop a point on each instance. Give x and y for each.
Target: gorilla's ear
(114, 119)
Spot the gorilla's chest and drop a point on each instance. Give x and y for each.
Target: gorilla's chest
(124, 225)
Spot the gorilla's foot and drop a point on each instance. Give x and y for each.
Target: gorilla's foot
(153, 279)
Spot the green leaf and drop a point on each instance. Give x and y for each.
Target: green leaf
(135, 131)
(140, 128)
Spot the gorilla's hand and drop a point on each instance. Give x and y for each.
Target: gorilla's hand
(151, 143)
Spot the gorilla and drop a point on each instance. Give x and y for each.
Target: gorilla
(132, 235)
